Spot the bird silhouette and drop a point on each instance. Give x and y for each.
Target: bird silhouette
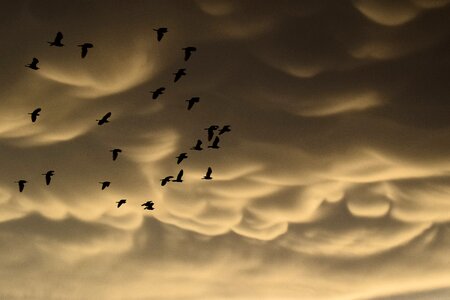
(120, 202)
(84, 49)
(188, 51)
(115, 153)
(210, 130)
(215, 144)
(198, 146)
(179, 177)
(192, 101)
(105, 184)
(33, 64)
(181, 156)
(57, 41)
(48, 176)
(104, 119)
(178, 74)
(35, 114)
(208, 174)
(160, 33)
(225, 128)
(165, 180)
(21, 183)
(148, 205)
(158, 92)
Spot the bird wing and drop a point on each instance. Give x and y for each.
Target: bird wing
(159, 35)
(59, 37)
(180, 175)
(37, 110)
(115, 154)
(209, 172)
(35, 61)
(107, 116)
(187, 54)
(190, 104)
(47, 179)
(84, 51)
(210, 134)
(216, 141)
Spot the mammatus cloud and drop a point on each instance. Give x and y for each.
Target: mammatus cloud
(332, 184)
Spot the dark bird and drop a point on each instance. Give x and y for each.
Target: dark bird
(181, 156)
(165, 180)
(158, 92)
(57, 41)
(215, 144)
(21, 183)
(115, 153)
(188, 51)
(211, 131)
(48, 176)
(104, 119)
(160, 33)
(84, 49)
(35, 114)
(179, 177)
(198, 146)
(178, 74)
(192, 101)
(148, 205)
(208, 174)
(33, 64)
(120, 202)
(225, 128)
(105, 184)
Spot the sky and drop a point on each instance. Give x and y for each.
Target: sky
(334, 182)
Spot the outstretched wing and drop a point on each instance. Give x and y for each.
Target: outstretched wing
(180, 175)
(84, 51)
(59, 37)
(190, 104)
(209, 172)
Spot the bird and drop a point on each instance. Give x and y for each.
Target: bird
(208, 174)
(35, 114)
(188, 51)
(160, 33)
(104, 119)
(215, 144)
(33, 64)
(178, 74)
(211, 131)
(48, 176)
(84, 49)
(148, 205)
(105, 184)
(21, 183)
(120, 202)
(57, 41)
(115, 153)
(225, 128)
(198, 146)
(179, 176)
(181, 156)
(165, 180)
(158, 92)
(192, 101)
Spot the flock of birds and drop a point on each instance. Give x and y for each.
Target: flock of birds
(211, 130)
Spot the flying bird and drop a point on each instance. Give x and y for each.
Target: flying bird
(35, 114)
(165, 180)
(192, 101)
(178, 74)
(215, 144)
(21, 183)
(105, 184)
(104, 119)
(48, 176)
(208, 174)
(181, 156)
(120, 202)
(188, 51)
(160, 33)
(148, 205)
(115, 153)
(210, 130)
(225, 128)
(158, 92)
(57, 41)
(33, 64)
(198, 146)
(179, 177)
(84, 49)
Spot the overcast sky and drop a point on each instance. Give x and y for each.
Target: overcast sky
(334, 182)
